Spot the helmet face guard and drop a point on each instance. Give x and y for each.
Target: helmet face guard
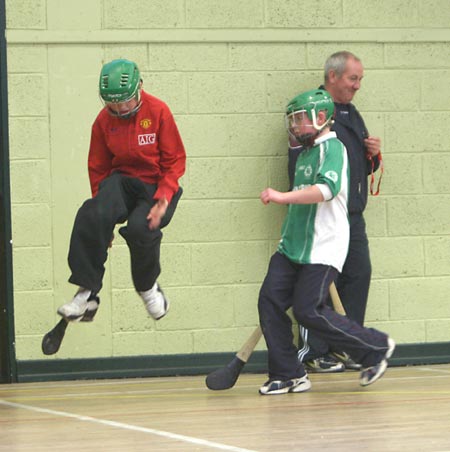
(300, 127)
(302, 113)
(119, 88)
(125, 109)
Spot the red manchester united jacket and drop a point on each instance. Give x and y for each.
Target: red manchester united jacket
(147, 146)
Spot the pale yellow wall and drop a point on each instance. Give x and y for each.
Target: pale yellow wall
(227, 69)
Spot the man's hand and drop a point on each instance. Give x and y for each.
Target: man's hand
(156, 213)
(373, 145)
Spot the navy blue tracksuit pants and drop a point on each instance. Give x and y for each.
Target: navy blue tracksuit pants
(353, 288)
(305, 288)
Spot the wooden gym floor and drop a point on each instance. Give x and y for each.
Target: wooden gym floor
(407, 410)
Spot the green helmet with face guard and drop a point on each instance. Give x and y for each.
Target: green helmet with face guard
(119, 83)
(309, 103)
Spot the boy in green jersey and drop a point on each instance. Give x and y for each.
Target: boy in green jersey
(311, 252)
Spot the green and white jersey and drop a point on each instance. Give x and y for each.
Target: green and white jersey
(319, 233)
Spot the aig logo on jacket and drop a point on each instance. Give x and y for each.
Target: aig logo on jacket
(148, 138)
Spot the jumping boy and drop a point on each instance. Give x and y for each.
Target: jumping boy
(136, 157)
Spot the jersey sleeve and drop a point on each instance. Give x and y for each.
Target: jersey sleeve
(332, 166)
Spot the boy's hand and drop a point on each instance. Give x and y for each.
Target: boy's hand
(270, 195)
(156, 213)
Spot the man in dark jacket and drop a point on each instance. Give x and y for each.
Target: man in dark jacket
(343, 74)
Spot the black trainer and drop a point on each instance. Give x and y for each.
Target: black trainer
(324, 364)
(345, 359)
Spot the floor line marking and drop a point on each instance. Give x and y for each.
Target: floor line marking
(175, 436)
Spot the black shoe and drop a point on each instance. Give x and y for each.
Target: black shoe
(324, 364)
(372, 374)
(345, 359)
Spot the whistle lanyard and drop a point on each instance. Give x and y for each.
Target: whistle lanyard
(372, 175)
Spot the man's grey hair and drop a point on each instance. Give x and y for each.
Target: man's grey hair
(337, 63)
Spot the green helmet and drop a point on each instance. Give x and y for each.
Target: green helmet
(309, 103)
(312, 102)
(119, 81)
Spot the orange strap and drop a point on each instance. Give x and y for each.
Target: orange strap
(372, 176)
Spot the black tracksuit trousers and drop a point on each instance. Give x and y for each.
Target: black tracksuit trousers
(306, 289)
(120, 198)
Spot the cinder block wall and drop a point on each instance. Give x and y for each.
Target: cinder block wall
(226, 69)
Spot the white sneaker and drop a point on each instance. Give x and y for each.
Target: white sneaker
(372, 374)
(155, 302)
(75, 309)
(300, 384)
(92, 307)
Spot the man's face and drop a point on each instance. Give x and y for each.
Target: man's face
(343, 88)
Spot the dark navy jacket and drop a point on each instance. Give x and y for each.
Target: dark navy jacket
(351, 130)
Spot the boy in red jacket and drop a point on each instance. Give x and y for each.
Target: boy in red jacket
(136, 157)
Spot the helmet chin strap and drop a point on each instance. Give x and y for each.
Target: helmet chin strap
(123, 115)
(307, 139)
(131, 113)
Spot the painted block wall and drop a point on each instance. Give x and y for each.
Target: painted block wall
(226, 69)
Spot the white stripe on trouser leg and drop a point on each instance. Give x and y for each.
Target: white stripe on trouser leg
(305, 349)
